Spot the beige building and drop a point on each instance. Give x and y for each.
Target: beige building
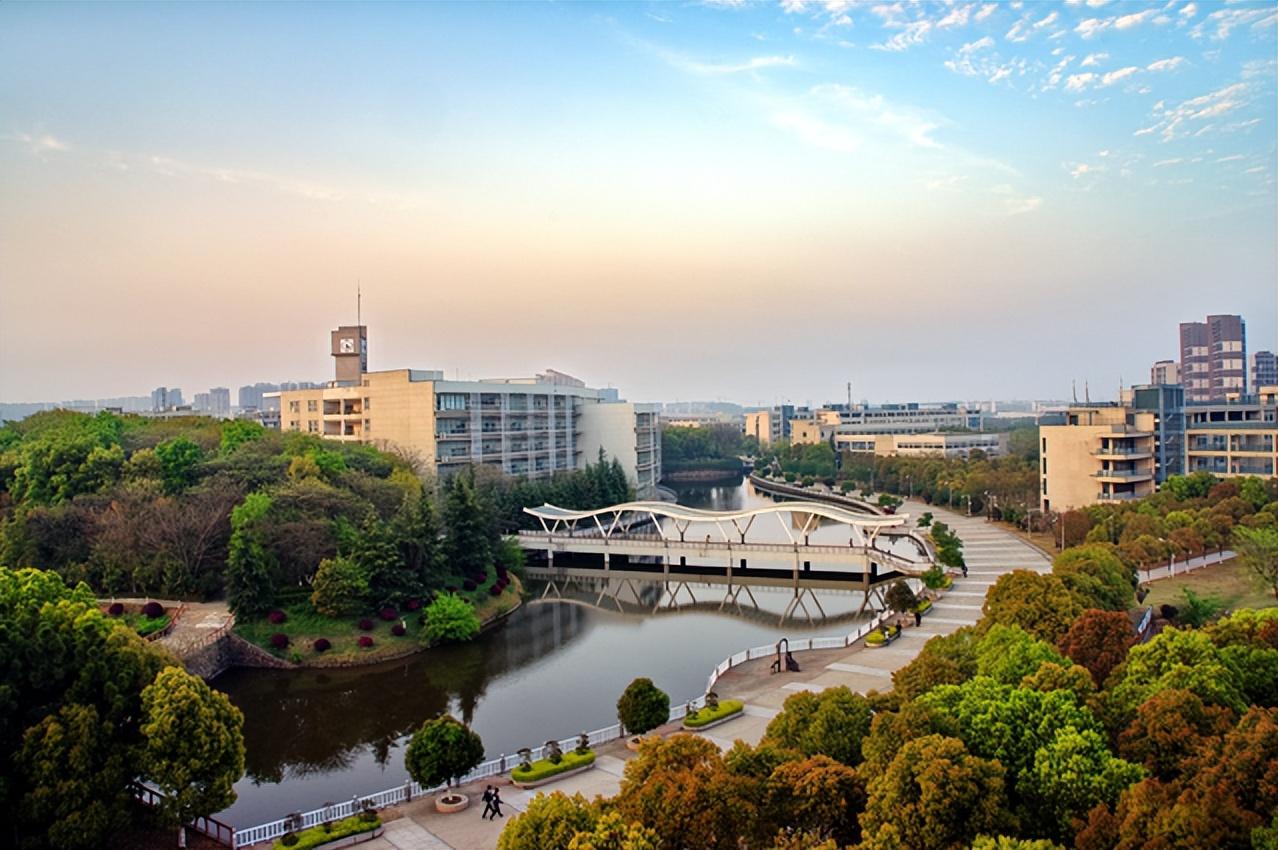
(1101, 453)
(530, 427)
(935, 444)
(1233, 439)
(764, 426)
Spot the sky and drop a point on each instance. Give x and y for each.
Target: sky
(755, 202)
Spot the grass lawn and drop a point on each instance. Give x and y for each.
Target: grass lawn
(1230, 581)
(304, 626)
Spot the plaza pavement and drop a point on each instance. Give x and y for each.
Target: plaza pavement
(990, 551)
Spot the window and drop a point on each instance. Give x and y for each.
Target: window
(312, 425)
(451, 401)
(294, 407)
(367, 404)
(311, 405)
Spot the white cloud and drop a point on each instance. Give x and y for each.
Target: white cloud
(1094, 59)
(1081, 169)
(1016, 206)
(903, 122)
(1163, 163)
(1188, 10)
(912, 33)
(1226, 21)
(1231, 158)
(38, 144)
(1128, 21)
(1174, 122)
(1079, 82)
(818, 133)
(1096, 4)
(951, 182)
(1019, 31)
(756, 64)
(1001, 73)
(1114, 76)
(1093, 27)
(985, 12)
(956, 18)
(1047, 21)
(1166, 64)
(973, 46)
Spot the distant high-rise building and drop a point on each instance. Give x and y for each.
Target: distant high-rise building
(1165, 372)
(165, 398)
(202, 404)
(1264, 370)
(220, 402)
(1213, 358)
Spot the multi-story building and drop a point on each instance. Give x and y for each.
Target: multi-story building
(201, 404)
(1164, 372)
(220, 402)
(1103, 452)
(530, 427)
(770, 424)
(910, 418)
(1264, 370)
(1213, 358)
(1165, 404)
(165, 398)
(1234, 438)
(937, 444)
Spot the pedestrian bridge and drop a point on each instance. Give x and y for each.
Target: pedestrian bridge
(610, 548)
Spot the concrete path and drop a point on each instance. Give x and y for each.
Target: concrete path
(198, 621)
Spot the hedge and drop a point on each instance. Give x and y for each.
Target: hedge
(924, 606)
(705, 716)
(317, 835)
(543, 768)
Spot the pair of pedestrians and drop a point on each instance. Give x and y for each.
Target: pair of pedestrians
(492, 803)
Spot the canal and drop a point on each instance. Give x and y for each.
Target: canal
(553, 669)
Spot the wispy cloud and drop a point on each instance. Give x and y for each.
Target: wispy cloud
(38, 144)
(758, 63)
(1123, 22)
(1166, 64)
(1115, 76)
(1093, 59)
(1093, 27)
(1016, 203)
(1185, 118)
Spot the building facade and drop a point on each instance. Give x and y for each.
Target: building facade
(1233, 439)
(1101, 453)
(1264, 370)
(1165, 372)
(1213, 358)
(936, 444)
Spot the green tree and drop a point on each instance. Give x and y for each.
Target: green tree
(1040, 604)
(1258, 550)
(611, 832)
(194, 749)
(340, 588)
(551, 822)
(1008, 654)
(900, 598)
(1096, 576)
(470, 528)
(1070, 775)
(934, 795)
(450, 619)
(237, 432)
(1004, 842)
(391, 580)
(642, 706)
(832, 723)
(945, 660)
(179, 461)
(817, 795)
(250, 581)
(1173, 659)
(442, 751)
(416, 531)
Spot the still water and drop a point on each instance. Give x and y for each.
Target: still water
(552, 669)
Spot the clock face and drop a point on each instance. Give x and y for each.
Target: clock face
(346, 346)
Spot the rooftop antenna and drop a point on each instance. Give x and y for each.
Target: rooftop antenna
(849, 396)
(1073, 388)
(359, 306)
(1087, 395)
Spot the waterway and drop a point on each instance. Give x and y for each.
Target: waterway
(552, 669)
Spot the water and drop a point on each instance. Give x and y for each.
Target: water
(553, 669)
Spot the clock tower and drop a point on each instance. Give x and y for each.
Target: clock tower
(350, 352)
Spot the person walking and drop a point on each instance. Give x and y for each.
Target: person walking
(918, 619)
(489, 793)
(496, 804)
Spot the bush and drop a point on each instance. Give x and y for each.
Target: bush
(924, 606)
(706, 716)
(544, 768)
(468, 585)
(388, 613)
(398, 630)
(317, 835)
(495, 590)
(643, 706)
(413, 604)
(279, 640)
(875, 638)
(450, 618)
(365, 641)
(340, 588)
(276, 617)
(365, 625)
(115, 609)
(153, 610)
(441, 751)
(322, 645)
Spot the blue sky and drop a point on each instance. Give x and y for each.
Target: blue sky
(753, 201)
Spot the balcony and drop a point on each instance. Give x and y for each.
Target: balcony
(1119, 497)
(1123, 475)
(1130, 452)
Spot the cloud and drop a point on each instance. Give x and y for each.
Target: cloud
(1231, 158)
(1226, 21)
(1047, 21)
(1017, 206)
(1115, 76)
(38, 144)
(903, 122)
(1163, 163)
(912, 33)
(1019, 31)
(1082, 169)
(1079, 82)
(1128, 21)
(1166, 64)
(1094, 59)
(1000, 73)
(1093, 27)
(948, 183)
(1188, 10)
(758, 63)
(1177, 121)
(956, 18)
(818, 133)
(973, 46)
(985, 12)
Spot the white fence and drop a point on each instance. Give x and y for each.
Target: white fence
(495, 767)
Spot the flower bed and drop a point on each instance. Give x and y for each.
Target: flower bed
(544, 769)
(707, 717)
(924, 606)
(317, 836)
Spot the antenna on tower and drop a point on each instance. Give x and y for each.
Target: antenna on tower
(359, 306)
(1087, 394)
(849, 396)
(1073, 388)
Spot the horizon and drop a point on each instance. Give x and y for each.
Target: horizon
(752, 201)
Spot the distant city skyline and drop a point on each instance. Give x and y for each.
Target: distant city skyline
(748, 201)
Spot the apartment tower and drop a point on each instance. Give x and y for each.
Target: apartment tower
(1213, 358)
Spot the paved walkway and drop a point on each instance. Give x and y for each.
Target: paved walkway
(990, 552)
(198, 621)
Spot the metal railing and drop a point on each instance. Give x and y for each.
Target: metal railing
(222, 833)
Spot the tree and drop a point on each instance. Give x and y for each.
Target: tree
(551, 822)
(1169, 729)
(194, 747)
(1008, 654)
(1173, 659)
(1258, 550)
(945, 660)
(237, 432)
(340, 588)
(179, 460)
(1003, 842)
(441, 751)
(250, 584)
(642, 706)
(900, 598)
(416, 532)
(1070, 775)
(817, 795)
(934, 795)
(391, 580)
(471, 535)
(1096, 576)
(450, 619)
(1099, 640)
(831, 723)
(1040, 604)
(611, 832)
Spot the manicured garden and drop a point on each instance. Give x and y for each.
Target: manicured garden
(146, 620)
(545, 768)
(705, 716)
(324, 833)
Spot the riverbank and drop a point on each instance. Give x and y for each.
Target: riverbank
(704, 474)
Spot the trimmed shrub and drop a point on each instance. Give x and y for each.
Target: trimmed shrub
(365, 625)
(153, 610)
(706, 716)
(388, 613)
(279, 640)
(643, 706)
(115, 609)
(365, 641)
(449, 618)
(544, 768)
(322, 645)
(495, 590)
(322, 834)
(398, 630)
(276, 617)
(413, 605)
(468, 585)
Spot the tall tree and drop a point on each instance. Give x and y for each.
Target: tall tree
(417, 534)
(250, 582)
(1258, 550)
(470, 532)
(194, 749)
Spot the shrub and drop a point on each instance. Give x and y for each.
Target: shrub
(153, 610)
(279, 640)
(450, 618)
(706, 716)
(340, 588)
(413, 604)
(317, 835)
(441, 751)
(875, 638)
(322, 645)
(544, 768)
(276, 617)
(398, 630)
(288, 839)
(388, 613)
(495, 590)
(365, 625)
(365, 641)
(643, 706)
(468, 585)
(115, 609)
